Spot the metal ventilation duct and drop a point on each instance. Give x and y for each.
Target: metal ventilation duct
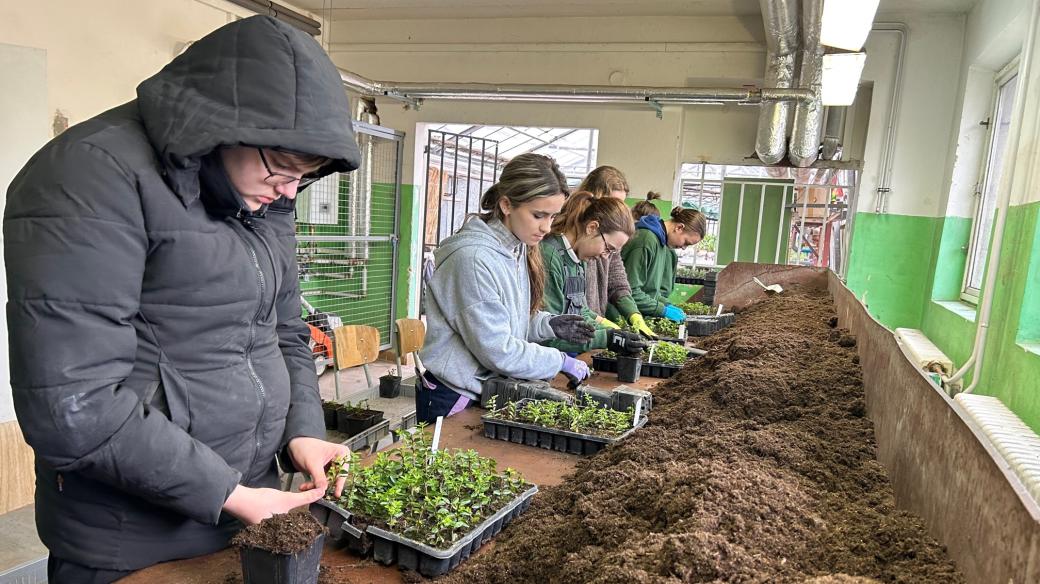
(780, 18)
(808, 115)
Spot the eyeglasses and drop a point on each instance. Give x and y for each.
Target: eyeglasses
(609, 249)
(275, 179)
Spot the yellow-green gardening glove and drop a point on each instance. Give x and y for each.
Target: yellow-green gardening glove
(640, 325)
(606, 323)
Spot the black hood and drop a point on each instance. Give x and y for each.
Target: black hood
(256, 81)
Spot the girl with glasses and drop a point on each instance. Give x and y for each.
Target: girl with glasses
(586, 228)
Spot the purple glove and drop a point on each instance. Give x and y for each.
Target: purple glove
(577, 371)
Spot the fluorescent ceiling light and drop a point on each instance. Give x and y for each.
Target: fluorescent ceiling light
(841, 73)
(846, 23)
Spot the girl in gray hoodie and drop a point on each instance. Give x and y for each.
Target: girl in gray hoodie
(484, 298)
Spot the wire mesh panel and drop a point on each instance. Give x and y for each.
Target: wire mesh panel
(346, 225)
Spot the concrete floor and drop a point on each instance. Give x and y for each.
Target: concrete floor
(20, 548)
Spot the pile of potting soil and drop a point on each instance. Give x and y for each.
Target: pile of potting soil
(757, 465)
(288, 533)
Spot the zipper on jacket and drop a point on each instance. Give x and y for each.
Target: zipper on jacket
(258, 384)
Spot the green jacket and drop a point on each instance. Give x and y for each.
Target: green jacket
(565, 292)
(651, 271)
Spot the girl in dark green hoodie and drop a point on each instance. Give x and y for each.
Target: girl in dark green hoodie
(650, 259)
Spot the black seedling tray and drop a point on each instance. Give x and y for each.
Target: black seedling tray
(550, 438)
(704, 325)
(387, 547)
(658, 370)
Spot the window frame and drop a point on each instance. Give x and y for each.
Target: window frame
(1001, 80)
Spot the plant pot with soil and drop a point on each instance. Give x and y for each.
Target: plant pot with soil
(329, 409)
(284, 549)
(425, 510)
(390, 386)
(353, 419)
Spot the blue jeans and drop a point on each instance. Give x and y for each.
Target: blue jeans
(432, 403)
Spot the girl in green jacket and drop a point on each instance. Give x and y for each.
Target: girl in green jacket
(586, 228)
(650, 259)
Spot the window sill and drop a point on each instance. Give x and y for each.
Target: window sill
(961, 309)
(1032, 347)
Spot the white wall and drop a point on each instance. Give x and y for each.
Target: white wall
(98, 51)
(23, 116)
(931, 72)
(995, 32)
(678, 51)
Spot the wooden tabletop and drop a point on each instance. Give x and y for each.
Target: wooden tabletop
(463, 430)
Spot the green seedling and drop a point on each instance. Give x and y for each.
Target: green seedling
(431, 497)
(588, 417)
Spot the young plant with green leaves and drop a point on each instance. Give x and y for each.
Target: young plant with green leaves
(663, 327)
(431, 497)
(668, 354)
(696, 308)
(588, 417)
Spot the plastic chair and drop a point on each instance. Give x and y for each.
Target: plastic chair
(354, 345)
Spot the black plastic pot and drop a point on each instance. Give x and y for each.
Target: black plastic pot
(263, 567)
(628, 369)
(389, 386)
(351, 422)
(329, 410)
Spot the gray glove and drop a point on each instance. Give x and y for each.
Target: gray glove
(572, 328)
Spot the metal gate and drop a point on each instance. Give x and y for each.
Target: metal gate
(347, 229)
(459, 168)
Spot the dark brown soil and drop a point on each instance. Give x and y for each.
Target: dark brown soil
(288, 533)
(757, 465)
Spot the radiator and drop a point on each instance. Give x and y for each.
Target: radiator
(1017, 442)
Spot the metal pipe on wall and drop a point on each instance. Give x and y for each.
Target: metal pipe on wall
(834, 131)
(1007, 179)
(808, 116)
(780, 18)
(569, 93)
(884, 187)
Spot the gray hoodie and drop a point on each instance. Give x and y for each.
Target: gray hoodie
(478, 312)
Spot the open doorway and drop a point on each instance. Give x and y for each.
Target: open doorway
(782, 215)
(464, 160)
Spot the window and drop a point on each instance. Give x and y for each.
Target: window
(989, 183)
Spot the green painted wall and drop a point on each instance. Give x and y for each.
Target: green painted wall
(408, 246)
(665, 207)
(890, 262)
(912, 268)
(1011, 372)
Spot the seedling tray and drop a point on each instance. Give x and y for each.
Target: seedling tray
(659, 370)
(704, 325)
(550, 438)
(387, 547)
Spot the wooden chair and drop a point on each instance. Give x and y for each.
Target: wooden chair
(354, 345)
(411, 334)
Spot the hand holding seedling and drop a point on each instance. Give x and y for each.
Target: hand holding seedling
(313, 456)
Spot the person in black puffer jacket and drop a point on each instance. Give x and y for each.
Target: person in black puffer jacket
(159, 362)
